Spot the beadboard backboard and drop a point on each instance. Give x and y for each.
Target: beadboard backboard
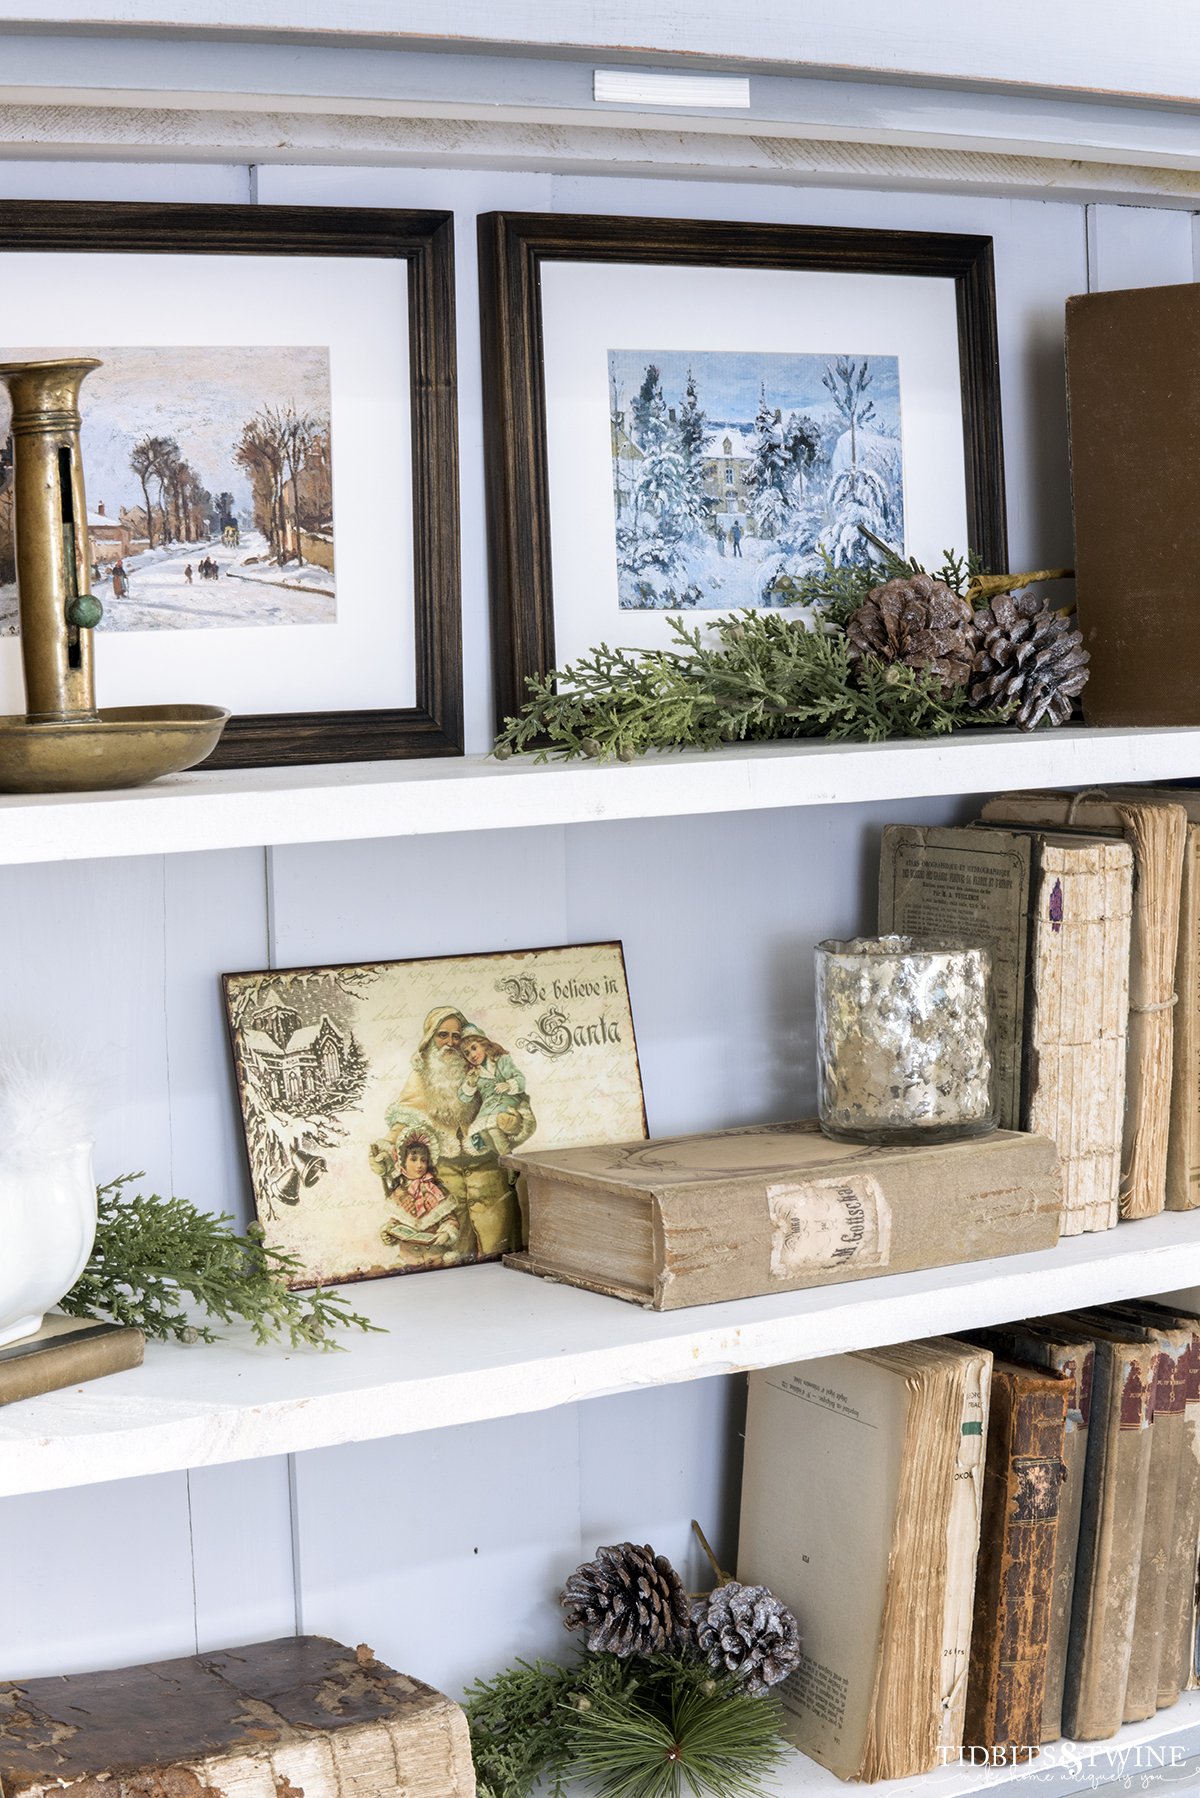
(444, 1551)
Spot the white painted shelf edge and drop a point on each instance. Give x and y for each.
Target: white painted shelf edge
(486, 1342)
(351, 801)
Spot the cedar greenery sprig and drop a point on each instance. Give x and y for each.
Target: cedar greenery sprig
(152, 1254)
(755, 676)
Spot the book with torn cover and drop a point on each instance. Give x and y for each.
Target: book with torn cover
(861, 1491)
(1014, 1581)
(301, 1715)
(688, 1220)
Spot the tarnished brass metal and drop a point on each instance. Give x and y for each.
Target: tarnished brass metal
(63, 743)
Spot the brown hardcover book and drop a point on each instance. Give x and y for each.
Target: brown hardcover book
(1069, 1355)
(860, 1509)
(1156, 835)
(1111, 1529)
(65, 1352)
(302, 1715)
(688, 1220)
(1014, 1583)
(1055, 912)
(1135, 453)
(1170, 1344)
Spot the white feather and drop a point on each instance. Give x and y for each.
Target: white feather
(47, 1095)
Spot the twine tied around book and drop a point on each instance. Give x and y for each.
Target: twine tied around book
(1077, 799)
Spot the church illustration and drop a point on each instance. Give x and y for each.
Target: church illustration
(289, 1060)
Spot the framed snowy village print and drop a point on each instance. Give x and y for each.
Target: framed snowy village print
(378, 1101)
(684, 417)
(270, 457)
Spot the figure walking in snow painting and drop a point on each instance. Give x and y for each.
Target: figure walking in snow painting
(734, 472)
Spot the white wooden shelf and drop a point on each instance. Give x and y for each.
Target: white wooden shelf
(485, 1342)
(355, 800)
(1158, 1755)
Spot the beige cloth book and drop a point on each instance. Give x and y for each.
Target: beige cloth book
(767, 1208)
(1156, 834)
(301, 1717)
(861, 1492)
(1055, 911)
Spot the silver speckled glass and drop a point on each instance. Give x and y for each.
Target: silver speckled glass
(904, 1040)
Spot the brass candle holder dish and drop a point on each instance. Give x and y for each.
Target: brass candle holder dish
(63, 743)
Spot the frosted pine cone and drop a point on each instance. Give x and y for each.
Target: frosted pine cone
(629, 1600)
(746, 1631)
(1029, 656)
(918, 621)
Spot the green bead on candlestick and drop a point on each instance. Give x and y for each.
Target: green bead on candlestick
(84, 611)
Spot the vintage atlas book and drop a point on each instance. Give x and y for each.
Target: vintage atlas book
(1111, 1529)
(379, 1100)
(1156, 834)
(1055, 912)
(1069, 1355)
(686, 1220)
(65, 1352)
(861, 1492)
(1014, 1582)
(299, 1716)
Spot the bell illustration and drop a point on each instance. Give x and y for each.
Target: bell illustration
(63, 743)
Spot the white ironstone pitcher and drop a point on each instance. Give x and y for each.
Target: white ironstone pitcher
(47, 1228)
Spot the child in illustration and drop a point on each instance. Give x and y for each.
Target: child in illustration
(432, 1229)
(505, 1116)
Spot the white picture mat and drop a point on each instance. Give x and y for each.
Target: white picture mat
(61, 303)
(589, 309)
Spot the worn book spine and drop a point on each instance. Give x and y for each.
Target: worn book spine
(1183, 1151)
(1110, 1541)
(1156, 834)
(1015, 1577)
(1078, 1009)
(1070, 1358)
(970, 883)
(1158, 1535)
(962, 1548)
(66, 1352)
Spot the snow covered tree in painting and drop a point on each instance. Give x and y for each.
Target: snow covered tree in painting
(733, 472)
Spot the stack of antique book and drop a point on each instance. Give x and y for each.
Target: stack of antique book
(1079, 898)
(991, 1542)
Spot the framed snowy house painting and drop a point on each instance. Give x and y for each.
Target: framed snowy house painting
(270, 455)
(685, 418)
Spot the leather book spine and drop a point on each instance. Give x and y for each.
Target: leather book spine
(1015, 1577)
(47, 1362)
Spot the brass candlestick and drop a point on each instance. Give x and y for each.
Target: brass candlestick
(63, 743)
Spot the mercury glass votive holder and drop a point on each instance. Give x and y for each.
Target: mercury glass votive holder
(904, 1040)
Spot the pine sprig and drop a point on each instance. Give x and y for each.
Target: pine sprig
(152, 1255)
(755, 676)
(641, 1728)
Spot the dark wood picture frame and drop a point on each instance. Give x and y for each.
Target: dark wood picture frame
(425, 241)
(512, 249)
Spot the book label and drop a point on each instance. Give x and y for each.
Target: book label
(819, 1224)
